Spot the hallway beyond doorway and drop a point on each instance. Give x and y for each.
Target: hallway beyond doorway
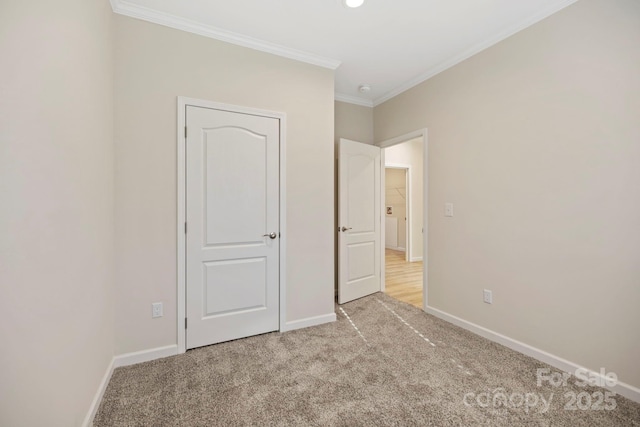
(403, 280)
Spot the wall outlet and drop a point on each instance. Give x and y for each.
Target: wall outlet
(448, 209)
(156, 309)
(487, 296)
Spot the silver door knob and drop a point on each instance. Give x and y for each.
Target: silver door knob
(343, 229)
(273, 235)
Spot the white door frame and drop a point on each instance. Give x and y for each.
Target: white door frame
(183, 102)
(420, 133)
(409, 218)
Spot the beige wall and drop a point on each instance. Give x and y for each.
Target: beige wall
(411, 153)
(536, 142)
(154, 65)
(353, 122)
(57, 218)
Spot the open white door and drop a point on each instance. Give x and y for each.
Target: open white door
(358, 220)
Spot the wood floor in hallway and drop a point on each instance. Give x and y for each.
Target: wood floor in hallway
(403, 280)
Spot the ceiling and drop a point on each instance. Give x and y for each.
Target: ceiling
(391, 45)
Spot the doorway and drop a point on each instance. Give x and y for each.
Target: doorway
(403, 278)
(357, 170)
(405, 218)
(397, 209)
(229, 240)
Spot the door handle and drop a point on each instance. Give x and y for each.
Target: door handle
(273, 235)
(343, 229)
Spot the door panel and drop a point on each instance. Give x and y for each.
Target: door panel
(234, 285)
(232, 202)
(235, 184)
(359, 213)
(361, 176)
(362, 265)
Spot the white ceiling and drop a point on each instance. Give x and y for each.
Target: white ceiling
(390, 45)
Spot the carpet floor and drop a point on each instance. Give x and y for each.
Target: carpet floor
(383, 363)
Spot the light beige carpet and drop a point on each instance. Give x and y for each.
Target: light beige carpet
(383, 363)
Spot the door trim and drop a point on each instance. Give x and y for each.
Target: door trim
(181, 253)
(420, 133)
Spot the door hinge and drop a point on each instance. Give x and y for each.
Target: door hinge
(185, 228)
(185, 323)
(185, 132)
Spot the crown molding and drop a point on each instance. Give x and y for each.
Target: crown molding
(354, 100)
(134, 11)
(472, 51)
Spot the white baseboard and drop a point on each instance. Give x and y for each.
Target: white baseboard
(395, 248)
(415, 259)
(623, 389)
(125, 360)
(309, 321)
(144, 355)
(95, 403)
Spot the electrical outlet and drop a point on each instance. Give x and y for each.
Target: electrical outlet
(487, 296)
(156, 309)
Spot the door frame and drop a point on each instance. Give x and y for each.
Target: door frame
(181, 254)
(424, 135)
(407, 203)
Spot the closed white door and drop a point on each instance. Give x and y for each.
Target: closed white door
(232, 242)
(358, 220)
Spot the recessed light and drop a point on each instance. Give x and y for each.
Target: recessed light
(364, 88)
(353, 3)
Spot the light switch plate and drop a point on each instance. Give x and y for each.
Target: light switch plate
(156, 309)
(448, 209)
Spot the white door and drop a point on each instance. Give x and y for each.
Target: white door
(358, 220)
(232, 241)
